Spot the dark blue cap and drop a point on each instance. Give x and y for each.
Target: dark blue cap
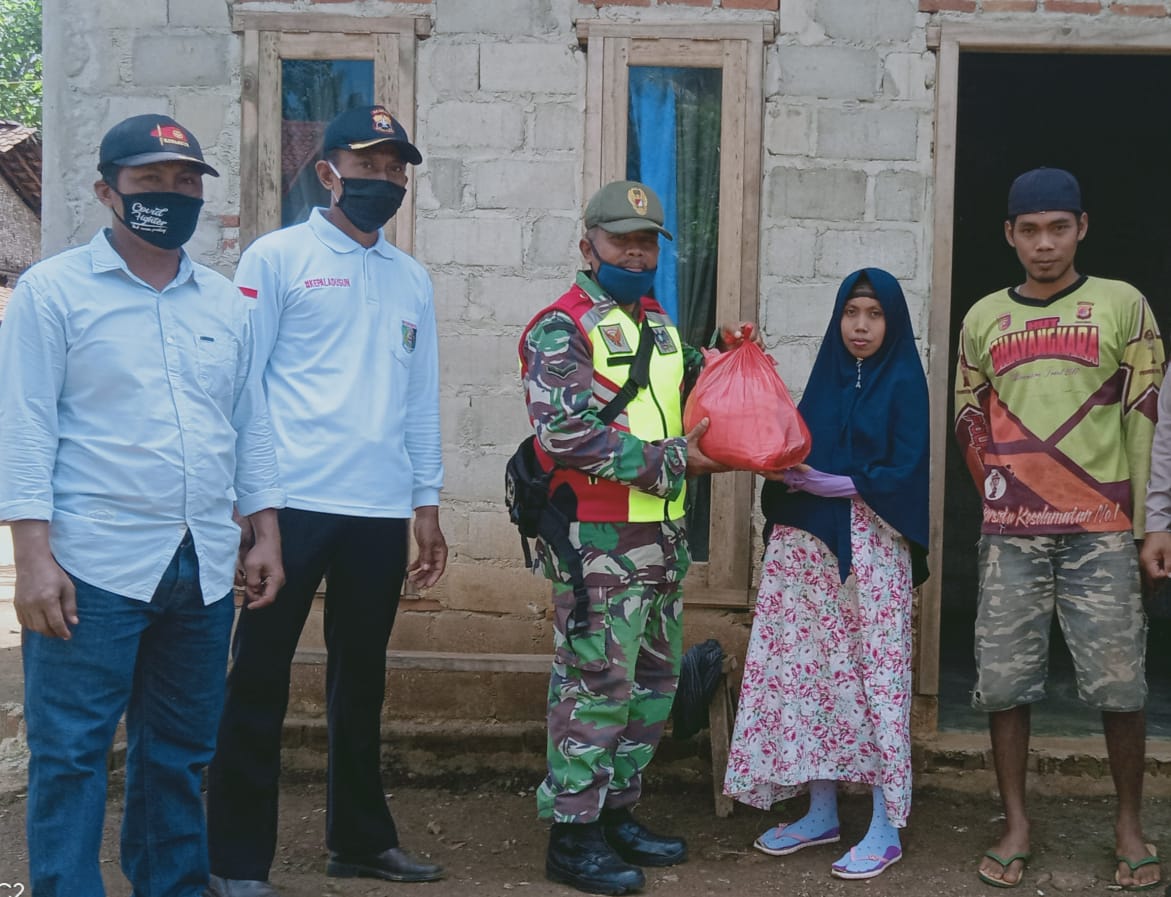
(1044, 190)
(144, 139)
(363, 126)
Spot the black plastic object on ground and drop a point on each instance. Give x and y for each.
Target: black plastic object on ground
(698, 679)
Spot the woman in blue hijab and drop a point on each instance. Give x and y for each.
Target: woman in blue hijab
(826, 696)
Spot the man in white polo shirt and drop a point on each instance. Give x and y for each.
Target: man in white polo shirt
(347, 325)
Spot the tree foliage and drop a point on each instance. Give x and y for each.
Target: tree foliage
(20, 61)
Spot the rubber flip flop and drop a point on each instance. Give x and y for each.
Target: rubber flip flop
(828, 837)
(889, 858)
(1004, 863)
(1152, 858)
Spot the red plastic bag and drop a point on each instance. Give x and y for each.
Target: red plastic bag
(754, 423)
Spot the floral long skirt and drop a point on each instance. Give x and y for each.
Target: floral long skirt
(827, 677)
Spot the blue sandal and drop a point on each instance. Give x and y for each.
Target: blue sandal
(771, 842)
(879, 863)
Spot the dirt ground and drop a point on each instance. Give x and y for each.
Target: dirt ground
(492, 845)
(487, 836)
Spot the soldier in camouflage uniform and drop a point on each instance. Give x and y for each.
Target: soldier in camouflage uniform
(622, 485)
(1056, 392)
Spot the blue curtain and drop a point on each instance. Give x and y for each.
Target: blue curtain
(652, 111)
(673, 145)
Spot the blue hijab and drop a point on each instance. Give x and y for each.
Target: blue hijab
(868, 422)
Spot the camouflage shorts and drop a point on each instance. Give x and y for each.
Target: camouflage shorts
(1092, 580)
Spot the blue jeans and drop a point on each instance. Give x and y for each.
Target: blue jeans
(162, 663)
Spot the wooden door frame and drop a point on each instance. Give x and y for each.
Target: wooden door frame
(267, 38)
(738, 51)
(948, 40)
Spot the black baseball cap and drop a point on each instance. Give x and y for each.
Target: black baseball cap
(363, 126)
(143, 139)
(1044, 190)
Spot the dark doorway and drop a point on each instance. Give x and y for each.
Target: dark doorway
(1101, 117)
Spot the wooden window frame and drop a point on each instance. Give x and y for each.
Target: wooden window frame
(270, 37)
(948, 40)
(725, 580)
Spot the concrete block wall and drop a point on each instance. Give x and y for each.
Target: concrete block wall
(847, 164)
(501, 109)
(106, 60)
(846, 182)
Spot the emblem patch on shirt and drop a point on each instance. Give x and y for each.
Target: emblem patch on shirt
(410, 332)
(1004, 322)
(995, 485)
(614, 338)
(663, 341)
(1084, 310)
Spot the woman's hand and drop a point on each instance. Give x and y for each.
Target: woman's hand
(780, 475)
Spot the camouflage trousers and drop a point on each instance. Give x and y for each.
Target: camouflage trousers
(1092, 580)
(610, 694)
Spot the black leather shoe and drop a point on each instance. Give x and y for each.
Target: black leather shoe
(238, 887)
(637, 844)
(394, 864)
(579, 856)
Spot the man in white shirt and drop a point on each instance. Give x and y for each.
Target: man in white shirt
(345, 325)
(130, 420)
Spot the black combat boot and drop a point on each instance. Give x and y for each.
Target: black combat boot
(579, 856)
(637, 844)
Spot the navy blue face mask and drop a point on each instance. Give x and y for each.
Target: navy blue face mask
(623, 285)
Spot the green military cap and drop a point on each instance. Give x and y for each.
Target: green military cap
(622, 207)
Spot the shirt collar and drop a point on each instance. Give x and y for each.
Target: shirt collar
(105, 257)
(334, 238)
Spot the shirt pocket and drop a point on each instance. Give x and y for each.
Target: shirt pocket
(404, 337)
(215, 359)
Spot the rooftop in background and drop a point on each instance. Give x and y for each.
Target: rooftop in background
(20, 162)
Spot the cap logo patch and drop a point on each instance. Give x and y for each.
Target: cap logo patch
(170, 135)
(638, 200)
(382, 121)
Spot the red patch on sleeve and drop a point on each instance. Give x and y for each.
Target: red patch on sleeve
(249, 292)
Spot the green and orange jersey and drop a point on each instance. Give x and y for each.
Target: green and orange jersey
(1056, 402)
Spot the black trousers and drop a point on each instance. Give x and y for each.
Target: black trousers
(363, 560)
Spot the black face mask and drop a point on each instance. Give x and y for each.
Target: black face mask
(165, 220)
(369, 202)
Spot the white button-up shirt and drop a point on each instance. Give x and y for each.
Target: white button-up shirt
(129, 416)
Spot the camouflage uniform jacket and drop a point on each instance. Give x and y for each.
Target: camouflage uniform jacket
(559, 392)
